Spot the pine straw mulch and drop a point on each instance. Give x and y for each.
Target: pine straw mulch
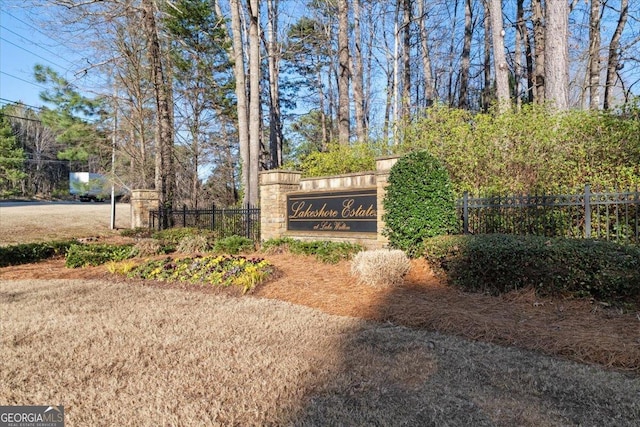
(578, 330)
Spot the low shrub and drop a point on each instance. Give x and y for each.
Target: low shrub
(498, 263)
(191, 244)
(84, 255)
(325, 251)
(233, 245)
(380, 267)
(278, 245)
(149, 247)
(32, 252)
(137, 232)
(174, 235)
(222, 270)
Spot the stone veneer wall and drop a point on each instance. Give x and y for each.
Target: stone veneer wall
(142, 202)
(275, 185)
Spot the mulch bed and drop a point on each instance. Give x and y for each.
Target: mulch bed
(578, 330)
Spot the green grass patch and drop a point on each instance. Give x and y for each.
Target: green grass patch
(498, 263)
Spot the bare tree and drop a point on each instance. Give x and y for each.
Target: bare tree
(358, 74)
(538, 20)
(343, 71)
(556, 55)
(614, 55)
(254, 102)
(273, 59)
(594, 55)
(241, 98)
(429, 86)
(465, 60)
(499, 58)
(165, 178)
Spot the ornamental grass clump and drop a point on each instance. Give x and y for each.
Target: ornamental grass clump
(192, 244)
(380, 267)
(148, 247)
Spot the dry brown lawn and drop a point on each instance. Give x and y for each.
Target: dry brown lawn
(311, 347)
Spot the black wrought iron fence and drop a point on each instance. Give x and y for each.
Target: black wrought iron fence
(243, 221)
(611, 216)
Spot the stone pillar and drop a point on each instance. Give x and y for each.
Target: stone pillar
(383, 168)
(142, 202)
(274, 186)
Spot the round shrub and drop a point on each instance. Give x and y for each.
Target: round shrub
(419, 202)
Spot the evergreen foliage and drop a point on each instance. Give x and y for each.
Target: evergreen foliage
(340, 159)
(419, 203)
(531, 150)
(498, 263)
(12, 158)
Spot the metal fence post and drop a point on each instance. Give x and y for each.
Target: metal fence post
(213, 216)
(465, 213)
(587, 211)
(184, 215)
(247, 213)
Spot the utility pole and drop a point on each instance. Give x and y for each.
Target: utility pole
(113, 160)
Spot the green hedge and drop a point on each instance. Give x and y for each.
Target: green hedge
(419, 202)
(499, 263)
(84, 255)
(32, 252)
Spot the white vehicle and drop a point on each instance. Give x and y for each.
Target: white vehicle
(89, 187)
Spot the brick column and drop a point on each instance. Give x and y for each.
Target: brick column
(383, 167)
(142, 202)
(274, 186)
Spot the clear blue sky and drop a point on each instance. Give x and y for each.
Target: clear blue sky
(23, 44)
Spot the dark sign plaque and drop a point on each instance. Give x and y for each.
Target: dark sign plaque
(353, 211)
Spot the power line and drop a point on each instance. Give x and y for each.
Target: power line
(33, 53)
(40, 47)
(21, 118)
(10, 102)
(40, 31)
(23, 80)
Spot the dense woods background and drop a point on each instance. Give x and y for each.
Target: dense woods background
(196, 97)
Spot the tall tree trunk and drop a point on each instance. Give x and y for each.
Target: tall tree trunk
(343, 71)
(594, 55)
(465, 60)
(241, 99)
(275, 124)
(254, 101)
(517, 53)
(165, 181)
(528, 54)
(406, 60)
(358, 74)
(499, 57)
(614, 55)
(452, 46)
(429, 87)
(538, 20)
(556, 55)
(486, 84)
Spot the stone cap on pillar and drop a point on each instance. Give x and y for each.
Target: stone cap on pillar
(280, 177)
(384, 164)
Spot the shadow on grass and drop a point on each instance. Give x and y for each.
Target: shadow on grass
(382, 374)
